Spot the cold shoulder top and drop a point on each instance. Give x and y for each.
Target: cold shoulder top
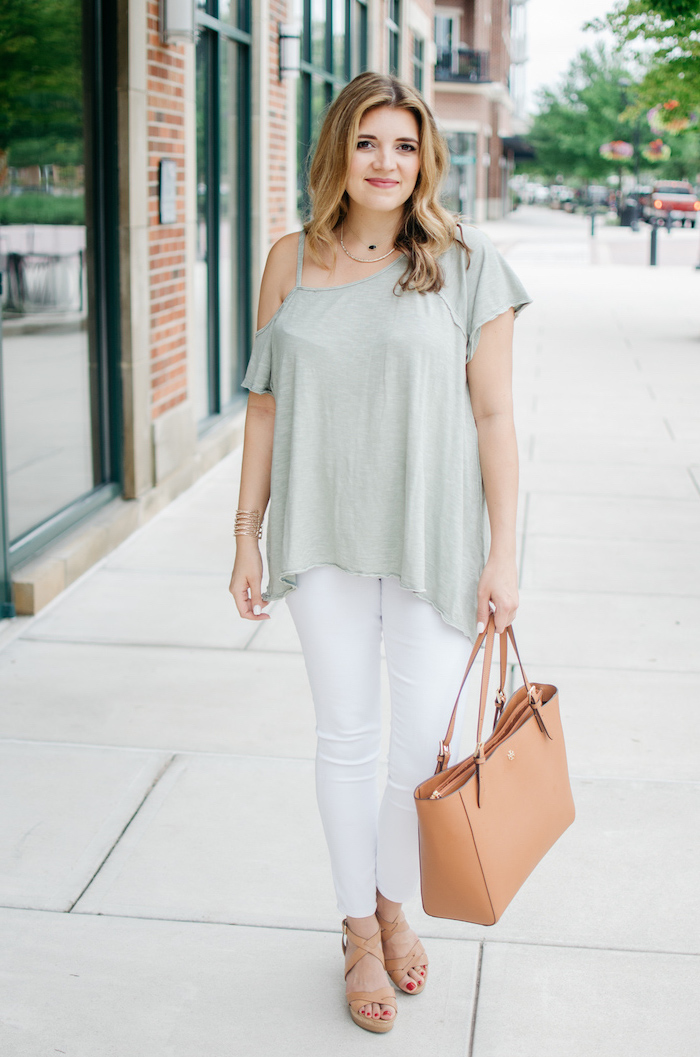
(375, 463)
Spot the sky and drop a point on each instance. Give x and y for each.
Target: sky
(554, 37)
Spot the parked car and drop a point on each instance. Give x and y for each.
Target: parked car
(670, 201)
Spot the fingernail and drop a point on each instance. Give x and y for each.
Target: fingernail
(257, 610)
(480, 627)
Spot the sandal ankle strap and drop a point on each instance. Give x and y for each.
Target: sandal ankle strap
(390, 927)
(363, 945)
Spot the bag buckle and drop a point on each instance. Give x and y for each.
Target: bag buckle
(443, 757)
(500, 705)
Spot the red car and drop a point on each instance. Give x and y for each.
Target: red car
(670, 199)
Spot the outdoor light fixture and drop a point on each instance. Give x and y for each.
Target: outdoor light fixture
(177, 21)
(290, 49)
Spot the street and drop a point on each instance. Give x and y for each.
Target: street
(164, 883)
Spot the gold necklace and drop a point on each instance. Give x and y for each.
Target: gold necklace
(364, 260)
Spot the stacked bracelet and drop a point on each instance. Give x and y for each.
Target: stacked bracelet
(248, 523)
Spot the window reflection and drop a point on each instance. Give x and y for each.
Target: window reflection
(51, 379)
(318, 33)
(339, 38)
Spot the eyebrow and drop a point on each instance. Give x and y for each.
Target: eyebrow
(399, 139)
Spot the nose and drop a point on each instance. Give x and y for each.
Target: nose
(384, 158)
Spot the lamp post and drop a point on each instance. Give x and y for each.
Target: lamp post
(624, 84)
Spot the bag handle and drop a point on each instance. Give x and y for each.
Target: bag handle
(487, 635)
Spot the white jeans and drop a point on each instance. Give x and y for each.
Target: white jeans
(340, 618)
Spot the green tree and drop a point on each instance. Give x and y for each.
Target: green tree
(581, 114)
(41, 91)
(664, 36)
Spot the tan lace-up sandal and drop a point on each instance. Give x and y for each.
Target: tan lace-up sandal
(415, 959)
(357, 999)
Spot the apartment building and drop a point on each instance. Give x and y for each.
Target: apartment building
(479, 98)
(138, 200)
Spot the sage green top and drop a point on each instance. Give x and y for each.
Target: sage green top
(375, 463)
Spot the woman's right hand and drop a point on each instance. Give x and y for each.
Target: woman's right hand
(246, 579)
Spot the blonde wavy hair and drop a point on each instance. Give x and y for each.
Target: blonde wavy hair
(427, 229)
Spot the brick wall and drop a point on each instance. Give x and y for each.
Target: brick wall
(166, 242)
(277, 135)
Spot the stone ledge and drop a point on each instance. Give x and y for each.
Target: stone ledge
(39, 580)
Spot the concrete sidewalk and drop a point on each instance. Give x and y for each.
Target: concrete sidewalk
(162, 868)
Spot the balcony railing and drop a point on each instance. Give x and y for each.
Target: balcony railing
(462, 64)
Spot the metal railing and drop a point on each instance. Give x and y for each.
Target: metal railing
(44, 282)
(462, 64)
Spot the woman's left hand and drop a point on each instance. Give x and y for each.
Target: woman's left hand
(498, 584)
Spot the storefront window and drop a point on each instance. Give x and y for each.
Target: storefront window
(393, 35)
(358, 58)
(55, 181)
(418, 62)
(459, 192)
(200, 380)
(222, 292)
(333, 49)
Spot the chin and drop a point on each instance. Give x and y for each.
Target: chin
(381, 201)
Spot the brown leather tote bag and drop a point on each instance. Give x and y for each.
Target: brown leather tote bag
(486, 822)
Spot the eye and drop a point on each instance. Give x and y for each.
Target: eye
(407, 147)
(363, 143)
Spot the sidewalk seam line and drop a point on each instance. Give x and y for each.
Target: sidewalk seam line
(475, 1003)
(333, 932)
(144, 798)
(147, 645)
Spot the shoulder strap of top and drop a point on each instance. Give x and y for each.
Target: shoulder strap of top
(300, 256)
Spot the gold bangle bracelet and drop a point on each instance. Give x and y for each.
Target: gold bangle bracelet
(248, 523)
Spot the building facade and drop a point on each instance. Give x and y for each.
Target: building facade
(153, 153)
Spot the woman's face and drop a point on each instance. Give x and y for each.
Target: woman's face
(386, 160)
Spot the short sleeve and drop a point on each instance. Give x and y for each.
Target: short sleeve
(258, 376)
(492, 286)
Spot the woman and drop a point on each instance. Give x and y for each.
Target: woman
(382, 367)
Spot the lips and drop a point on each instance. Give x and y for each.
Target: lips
(383, 183)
